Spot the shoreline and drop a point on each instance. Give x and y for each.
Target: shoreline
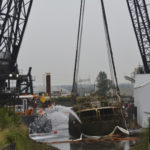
(13, 130)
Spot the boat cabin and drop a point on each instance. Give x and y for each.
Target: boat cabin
(103, 113)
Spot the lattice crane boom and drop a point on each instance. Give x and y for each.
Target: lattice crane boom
(13, 20)
(141, 25)
(14, 16)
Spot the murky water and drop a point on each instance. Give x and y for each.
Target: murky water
(59, 119)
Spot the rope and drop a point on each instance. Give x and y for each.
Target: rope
(115, 138)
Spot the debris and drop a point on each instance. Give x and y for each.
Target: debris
(41, 124)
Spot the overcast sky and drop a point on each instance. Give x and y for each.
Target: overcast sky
(49, 43)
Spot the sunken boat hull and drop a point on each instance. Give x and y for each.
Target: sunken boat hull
(96, 121)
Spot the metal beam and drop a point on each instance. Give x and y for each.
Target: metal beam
(13, 20)
(141, 25)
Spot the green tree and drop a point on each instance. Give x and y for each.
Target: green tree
(103, 84)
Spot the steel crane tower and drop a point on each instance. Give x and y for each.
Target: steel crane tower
(141, 25)
(14, 16)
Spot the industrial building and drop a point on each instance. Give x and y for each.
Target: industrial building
(142, 98)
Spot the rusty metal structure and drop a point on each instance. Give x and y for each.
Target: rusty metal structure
(14, 16)
(48, 84)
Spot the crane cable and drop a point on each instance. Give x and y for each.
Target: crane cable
(110, 52)
(78, 49)
(116, 89)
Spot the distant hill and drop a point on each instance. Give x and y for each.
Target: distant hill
(125, 89)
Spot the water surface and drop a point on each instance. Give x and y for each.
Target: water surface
(59, 119)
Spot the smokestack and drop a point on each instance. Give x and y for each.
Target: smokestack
(48, 84)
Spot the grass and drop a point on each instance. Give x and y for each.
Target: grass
(143, 144)
(12, 130)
